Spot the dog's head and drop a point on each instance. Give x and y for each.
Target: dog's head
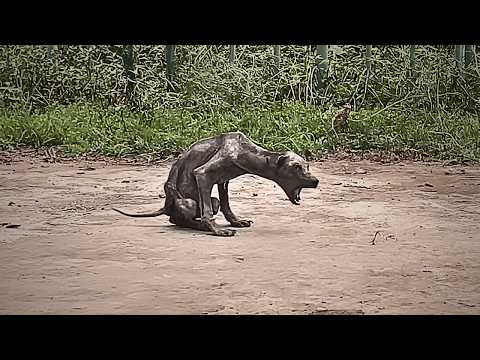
(293, 174)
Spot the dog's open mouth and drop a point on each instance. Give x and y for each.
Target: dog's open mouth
(294, 194)
(295, 198)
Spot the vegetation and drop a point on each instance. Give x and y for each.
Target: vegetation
(121, 100)
(85, 128)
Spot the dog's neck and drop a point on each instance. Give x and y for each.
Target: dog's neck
(267, 167)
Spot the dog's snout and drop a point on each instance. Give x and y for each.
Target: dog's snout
(312, 181)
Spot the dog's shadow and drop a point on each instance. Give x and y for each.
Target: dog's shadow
(171, 228)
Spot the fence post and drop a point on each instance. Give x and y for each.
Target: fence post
(129, 66)
(232, 55)
(368, 59)
(469, 54)
(460, 58)
(49, 51)
(321, 72)
(171, 67)
(276, 55)
(413, 61)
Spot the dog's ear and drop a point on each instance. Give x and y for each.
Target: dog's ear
(282, 160)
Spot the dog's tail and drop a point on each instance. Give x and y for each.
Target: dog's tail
(152, 214)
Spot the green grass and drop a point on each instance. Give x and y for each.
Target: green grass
(79, 129)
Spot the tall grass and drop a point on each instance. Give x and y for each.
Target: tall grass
(205, 78)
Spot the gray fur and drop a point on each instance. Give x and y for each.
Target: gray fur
(217, 160)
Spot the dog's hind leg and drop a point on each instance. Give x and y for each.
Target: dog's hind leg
(188, 223)
(204, 178)
(184, 214)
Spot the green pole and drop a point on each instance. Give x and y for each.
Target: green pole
(412, 61)
(129, 66)
(460, 58)
(469, 54)
(232, 55)
(171, 66)
(322, 65)
(276, 54)
(368, 59)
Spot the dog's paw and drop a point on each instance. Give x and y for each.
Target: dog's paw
(242, 223)
(225, 232)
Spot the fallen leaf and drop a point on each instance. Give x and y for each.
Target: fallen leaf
(12, 226)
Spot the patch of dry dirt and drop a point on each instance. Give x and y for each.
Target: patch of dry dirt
(371, 239)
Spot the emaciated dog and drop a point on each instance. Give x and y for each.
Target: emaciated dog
(217, 160)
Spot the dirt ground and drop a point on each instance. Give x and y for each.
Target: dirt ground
(373, 238)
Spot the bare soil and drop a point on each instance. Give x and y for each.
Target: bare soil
(373, 238)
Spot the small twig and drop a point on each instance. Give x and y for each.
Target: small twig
(357, 186)
(392, 104)
(386, 237)
(375, 236)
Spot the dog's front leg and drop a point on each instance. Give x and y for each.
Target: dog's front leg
(203, 177)
(225, 208)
